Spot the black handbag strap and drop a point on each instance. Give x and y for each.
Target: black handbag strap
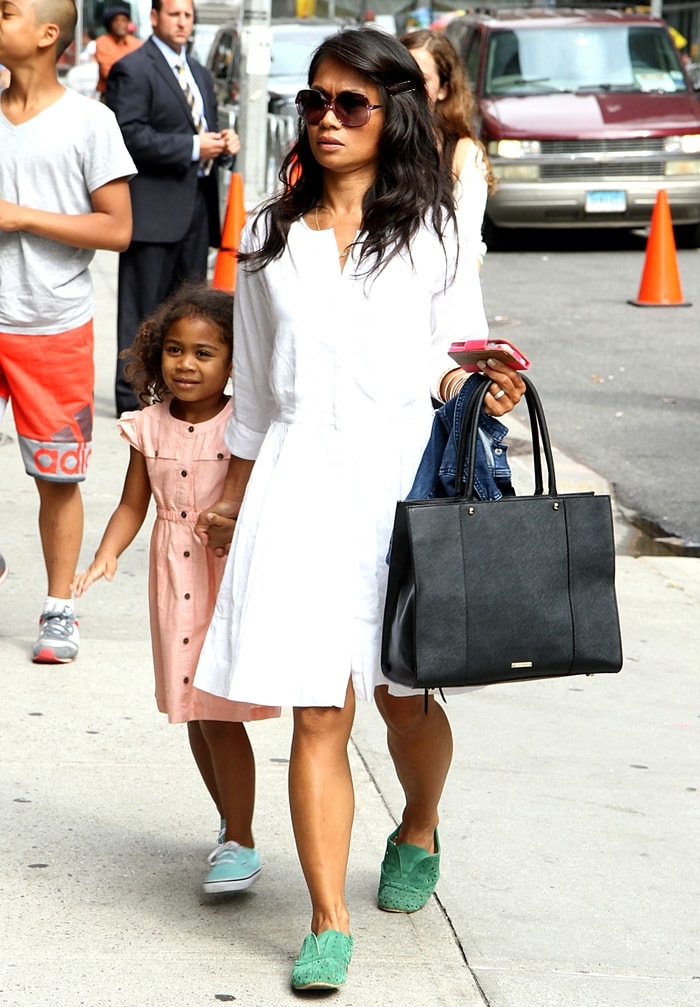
(539, 433)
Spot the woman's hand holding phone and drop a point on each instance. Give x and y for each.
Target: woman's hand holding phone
(471, 352)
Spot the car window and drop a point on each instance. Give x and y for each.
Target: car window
(221, 57)
(471, 55)
(620, 57)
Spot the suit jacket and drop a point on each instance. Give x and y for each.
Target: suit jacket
(157, 127)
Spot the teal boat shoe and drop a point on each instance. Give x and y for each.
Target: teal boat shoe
(408, 877)
(323, 961)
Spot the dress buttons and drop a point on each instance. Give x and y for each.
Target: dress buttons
(183, 513)
(183, 473)
(187, 596)
(186, 639)
(220, 455)
(191, 429)
(186, 680)
(186, 554)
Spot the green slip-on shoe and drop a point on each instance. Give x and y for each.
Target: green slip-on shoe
(323, 961)
(408, 877)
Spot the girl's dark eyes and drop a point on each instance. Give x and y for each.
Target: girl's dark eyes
(173, 350)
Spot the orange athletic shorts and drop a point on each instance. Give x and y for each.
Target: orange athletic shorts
(50, 380)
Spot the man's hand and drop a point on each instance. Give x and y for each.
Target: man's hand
(211, 145)
(232, 141)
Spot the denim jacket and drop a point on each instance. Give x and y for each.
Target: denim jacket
(436, 475)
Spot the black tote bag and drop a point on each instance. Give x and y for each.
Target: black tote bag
(486, 591)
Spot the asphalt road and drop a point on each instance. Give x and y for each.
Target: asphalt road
(619, 383)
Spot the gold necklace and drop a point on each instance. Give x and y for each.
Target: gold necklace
(346, 251)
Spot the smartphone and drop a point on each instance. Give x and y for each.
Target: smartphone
(469, 352)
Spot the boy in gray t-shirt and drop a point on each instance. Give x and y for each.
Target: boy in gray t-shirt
(64, 191)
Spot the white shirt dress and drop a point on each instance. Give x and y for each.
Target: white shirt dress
(332, 378)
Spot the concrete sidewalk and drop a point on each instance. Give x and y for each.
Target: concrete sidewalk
(570, 822)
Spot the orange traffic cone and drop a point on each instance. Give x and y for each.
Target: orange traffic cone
(226, 260)
(661, 284)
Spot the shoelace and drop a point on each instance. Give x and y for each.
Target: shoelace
(225, 852)
(58, 624)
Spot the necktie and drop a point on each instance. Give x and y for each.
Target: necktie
(204, 166)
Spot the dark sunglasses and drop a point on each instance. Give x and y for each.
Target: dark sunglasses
(349, 108)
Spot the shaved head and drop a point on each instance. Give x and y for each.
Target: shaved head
(62, 13)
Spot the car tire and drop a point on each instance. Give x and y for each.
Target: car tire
(492, 235)
(687, 235)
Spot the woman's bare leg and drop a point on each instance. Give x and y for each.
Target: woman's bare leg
(322, 803)
(420, 746)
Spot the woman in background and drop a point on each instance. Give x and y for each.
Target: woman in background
(453, 105)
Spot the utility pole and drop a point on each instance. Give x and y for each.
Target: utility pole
(256, 39)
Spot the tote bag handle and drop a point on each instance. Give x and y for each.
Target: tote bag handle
(540, 440)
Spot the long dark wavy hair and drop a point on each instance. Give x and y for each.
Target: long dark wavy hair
(192, 300)
(411, 186)
(456, 114)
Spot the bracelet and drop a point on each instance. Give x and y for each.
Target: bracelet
(452, 382)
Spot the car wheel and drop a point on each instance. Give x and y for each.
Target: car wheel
(492, 235)
(687, 235)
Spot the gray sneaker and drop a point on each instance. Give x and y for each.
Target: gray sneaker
(59, 638)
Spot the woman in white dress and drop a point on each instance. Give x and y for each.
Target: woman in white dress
(453, 104)
(351, 289)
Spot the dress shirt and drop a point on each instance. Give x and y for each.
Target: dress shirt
(174, 61)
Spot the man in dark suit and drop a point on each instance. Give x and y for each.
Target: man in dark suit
(166, 108)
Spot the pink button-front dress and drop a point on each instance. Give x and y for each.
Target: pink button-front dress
(187, 466)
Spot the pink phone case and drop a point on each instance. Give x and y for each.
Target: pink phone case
(468, 353)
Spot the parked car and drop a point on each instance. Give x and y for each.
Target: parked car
(293, 42)
(585, 115)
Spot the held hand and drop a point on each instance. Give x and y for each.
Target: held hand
(232, 141)
(216, 525)
(507, 388)
(104, 567)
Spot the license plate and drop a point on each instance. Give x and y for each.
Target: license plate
(612, 201)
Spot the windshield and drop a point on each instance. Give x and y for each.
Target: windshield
(600, 58)
(291, 54)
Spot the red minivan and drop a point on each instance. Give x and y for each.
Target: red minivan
(585, 115)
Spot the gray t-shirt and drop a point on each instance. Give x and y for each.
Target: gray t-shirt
(53, 162)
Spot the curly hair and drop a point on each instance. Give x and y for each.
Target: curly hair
(410, 186)
(456, 114)
(192, 300)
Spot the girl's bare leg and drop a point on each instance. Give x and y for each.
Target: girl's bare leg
(202, 757)
(420, 746)
(322, 804)
(233, 766)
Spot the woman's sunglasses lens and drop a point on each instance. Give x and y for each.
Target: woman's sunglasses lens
(310, 106)
(351, 109)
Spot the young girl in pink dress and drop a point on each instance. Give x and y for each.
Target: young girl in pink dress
(182, 363)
